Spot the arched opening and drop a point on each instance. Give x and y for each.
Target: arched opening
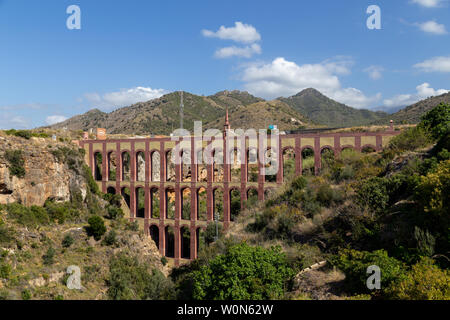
(154, 234)
(368, 149)
(126, 196)
(202, 172)
(155, 201)
(140, 166)
(156, 166)
(170, 204)
(186, 204)
(111, 190)
(169, 235)
(288, 163)
(185, 237)
(327, 158)
(235, 165)
(126, 166)
(201, 204)
(218, 165)
(235, 203)
(270, 165)
(98, 160)
(218, 204)
(112, 166)
(170, 166)
(252, 165)
(308, 161)
(186, 172)
(252, 197)
(140, 202)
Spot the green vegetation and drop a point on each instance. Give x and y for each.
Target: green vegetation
(243, 272)
(16, 162)
(96, 227)
(130, 279)
(26, 134)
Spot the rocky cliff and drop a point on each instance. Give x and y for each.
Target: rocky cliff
(46, 176)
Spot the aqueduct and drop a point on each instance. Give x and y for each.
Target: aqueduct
(174, 201)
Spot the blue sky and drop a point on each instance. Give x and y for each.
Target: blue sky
(136, 50)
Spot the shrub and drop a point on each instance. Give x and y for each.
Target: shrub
(96, 227)
(372, 193)
(30, 217)
(299, 183)
(5, 270)
(243, 272)
(26, 294)
(6, 235)
(111, 238)
(48, 257)
(433, 189)
(132, 226)
(16, 163)
(114, 213)
(425, 281)
(130, 280)
(67, 241)
(409, 140)
(354, 264)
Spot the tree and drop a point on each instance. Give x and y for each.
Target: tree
(243, 272)
(437, 120)
(96, 227)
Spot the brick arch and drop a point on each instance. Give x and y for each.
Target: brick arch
(154, 234)
(98, 167)
(170, 176)
(122, 153)
(140, 176)
(153, 167)
(247, 163)
(170, 207)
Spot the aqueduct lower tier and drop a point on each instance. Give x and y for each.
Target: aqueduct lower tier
(174, 201)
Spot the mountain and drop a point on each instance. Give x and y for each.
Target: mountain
(413, 113)
(323, 110)
(262, 114)
(162, 115)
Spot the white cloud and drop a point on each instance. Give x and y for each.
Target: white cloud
(428, 3)
(423, 91)
(55, 119)
(285, 78)
(432, 27)
(11, 121)
(246, 52)
(375, 72)
(123, 97)
(241, 32)
(436, 64)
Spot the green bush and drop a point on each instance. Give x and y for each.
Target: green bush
(243, 273)
(67, 241)
(26, 294)
(30, 217)
(372, 194)
(437, 121)
(130, 279)
(96, 227)
(210, 233)
(425, 281)
(48, 257)
(114, 213)
(5, 270)
(16, 163)
(355, 263)
(409, 140)
(111, 238)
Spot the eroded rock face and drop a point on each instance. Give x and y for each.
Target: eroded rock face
(46, 177)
